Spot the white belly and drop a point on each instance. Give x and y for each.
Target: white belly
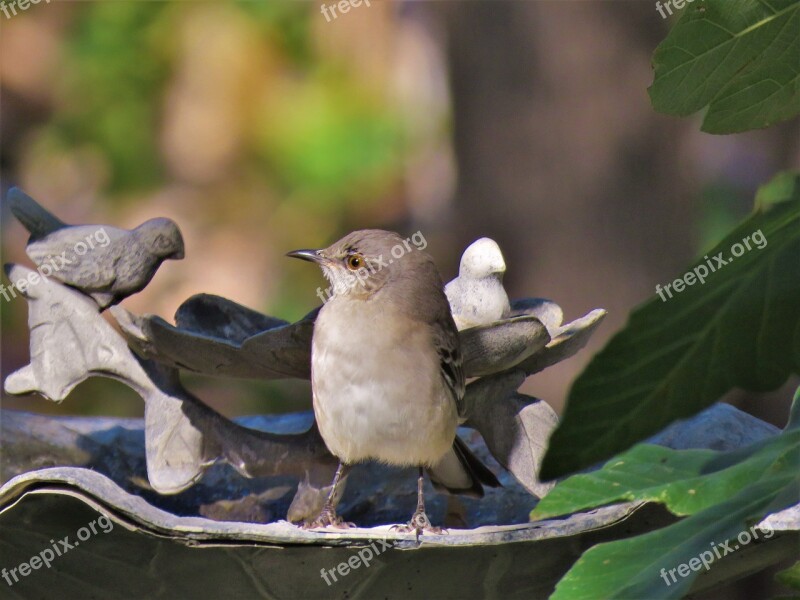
(366, 405)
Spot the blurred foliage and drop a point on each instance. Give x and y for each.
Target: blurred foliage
(313, 141)
(112, 85)
(323, 136)
(324, 140)
(285, 22)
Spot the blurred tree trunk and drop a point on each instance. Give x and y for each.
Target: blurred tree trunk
(594, 197)
(551, 159)
(562, 159)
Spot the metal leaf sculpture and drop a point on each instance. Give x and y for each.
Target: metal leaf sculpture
(71, 341)
(167, 479)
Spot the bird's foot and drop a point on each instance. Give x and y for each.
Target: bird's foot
(419, 523)
(328, 518)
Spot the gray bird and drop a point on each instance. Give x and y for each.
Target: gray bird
(107, 263)
(477, 295)
(386, 369)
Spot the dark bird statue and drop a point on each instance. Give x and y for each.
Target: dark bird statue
(107, 263)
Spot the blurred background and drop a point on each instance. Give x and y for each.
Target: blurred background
(261, 127)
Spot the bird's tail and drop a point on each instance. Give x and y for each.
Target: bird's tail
(460, 472)
(35, 218)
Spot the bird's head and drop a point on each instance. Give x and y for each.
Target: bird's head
(362, 262)
(482, 259)
(162, 237)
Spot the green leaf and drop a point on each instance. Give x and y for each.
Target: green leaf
(790, 577)
(727, 493)
(642, 473)
(676, 357)
(686, 481)
(639, 567)
(737, 57)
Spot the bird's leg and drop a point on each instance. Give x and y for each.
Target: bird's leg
(327, 516)
(419, 520)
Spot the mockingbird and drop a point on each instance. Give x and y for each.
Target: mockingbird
(386, 371)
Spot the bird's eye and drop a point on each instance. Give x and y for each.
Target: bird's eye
(355, 262)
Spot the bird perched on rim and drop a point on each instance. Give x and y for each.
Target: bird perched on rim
(477, 295)
(113, 263)
(386, 373)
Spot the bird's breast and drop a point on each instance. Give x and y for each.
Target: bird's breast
(377, 385)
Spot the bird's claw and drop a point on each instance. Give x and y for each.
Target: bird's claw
(419, 520)
(328, 518)
(419, 523)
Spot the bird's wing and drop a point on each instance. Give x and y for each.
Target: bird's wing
(450, 362)
(459, 471)
(96, 269)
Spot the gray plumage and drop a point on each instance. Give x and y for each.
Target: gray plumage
(386, 371)
(477, 296)
(107, 263)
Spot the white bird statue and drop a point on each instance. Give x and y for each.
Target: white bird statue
(477, 295)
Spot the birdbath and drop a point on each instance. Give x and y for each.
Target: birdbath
(194, 503)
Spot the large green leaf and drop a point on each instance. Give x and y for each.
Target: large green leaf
(740, 58)
(727, 493)
(686, 481)
(676, 357)
(681, 479)
(639, 567)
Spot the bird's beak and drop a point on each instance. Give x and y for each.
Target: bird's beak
(309, 255)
